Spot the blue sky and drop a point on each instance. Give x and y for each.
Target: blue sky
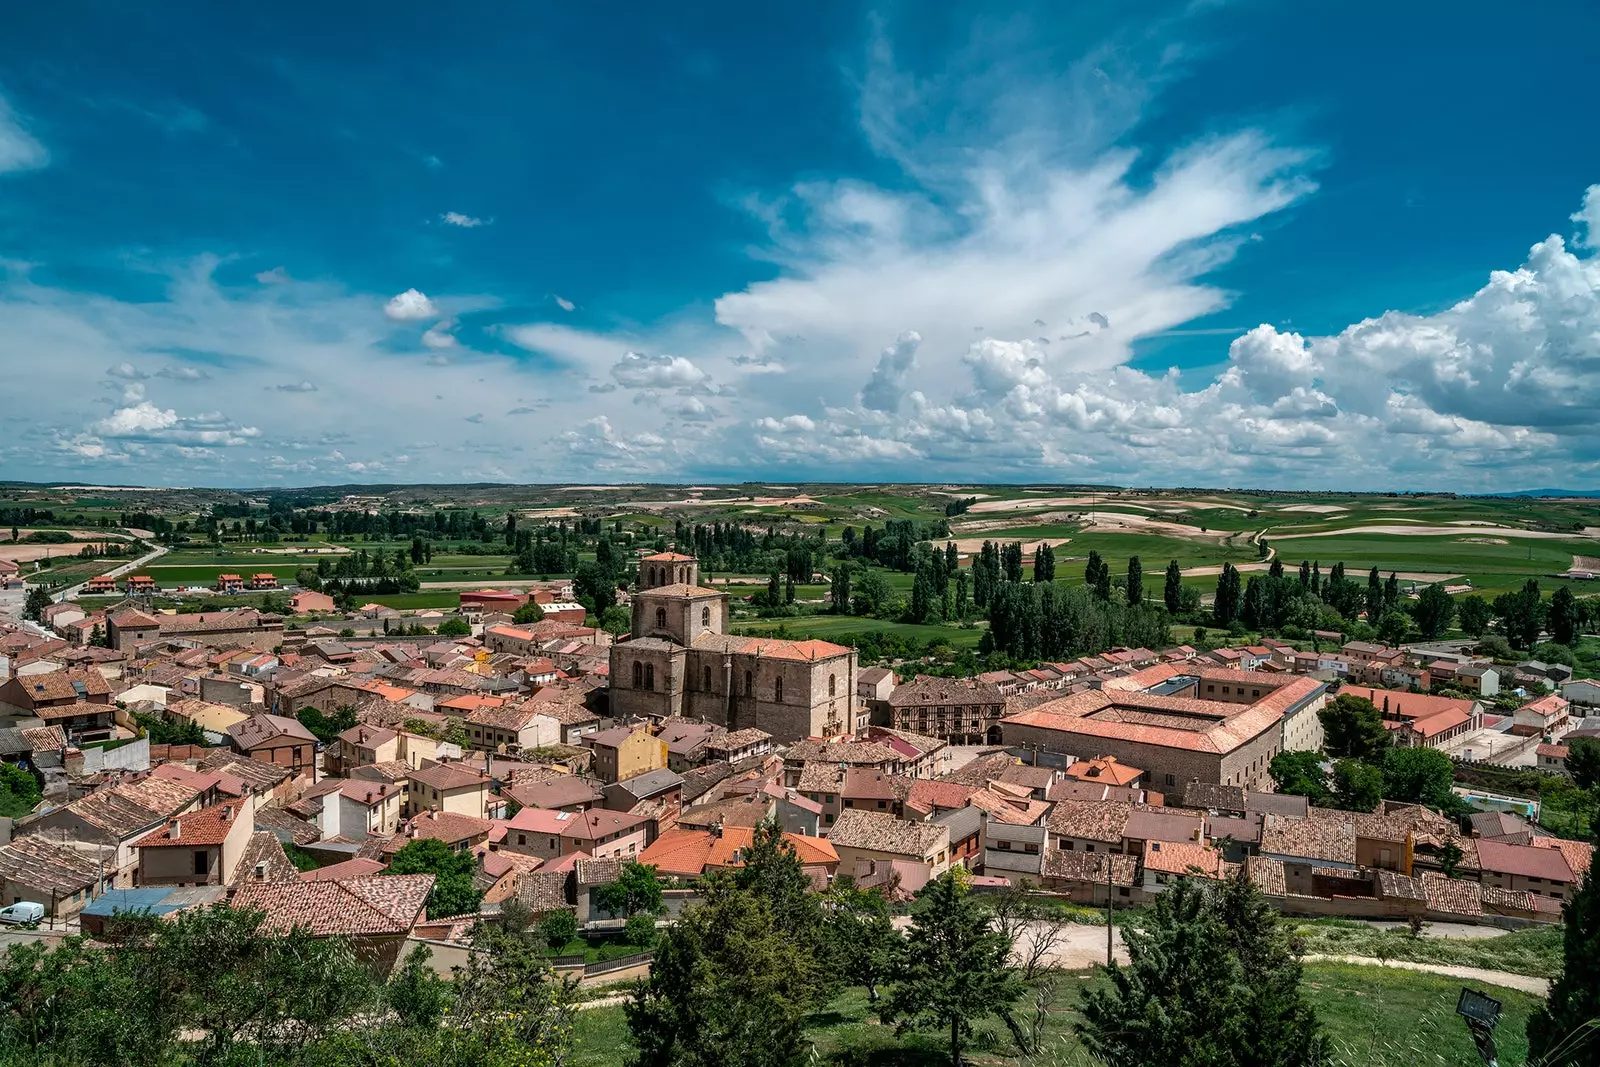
(1202, 244)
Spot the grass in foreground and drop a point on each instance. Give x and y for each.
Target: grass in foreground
(1535, 952)
(1376, 1017)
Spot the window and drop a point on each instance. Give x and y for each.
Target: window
(831, 683)
(661, 618)
(1172, 780)
(749, 683)
(777, 691)
(650, 676)
(638, 675)
(1067, 845)
(202, 863)
(522, 839)
(706, 678)
(705, 616)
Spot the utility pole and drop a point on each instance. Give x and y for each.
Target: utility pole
(1110, 930)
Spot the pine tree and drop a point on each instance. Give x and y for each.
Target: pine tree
(1173, 594)
(1135, 581)
(1557, 1032)
(953, 969)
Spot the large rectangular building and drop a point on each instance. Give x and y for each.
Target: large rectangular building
(1158, 720)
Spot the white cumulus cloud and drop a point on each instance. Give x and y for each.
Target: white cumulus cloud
(19, 150)
(456, 218)
(410, 306)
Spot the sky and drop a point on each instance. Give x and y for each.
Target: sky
(1224, 244)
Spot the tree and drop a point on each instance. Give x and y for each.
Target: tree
(726, 986)
(453, 890)
(1177, 1002)
(37, 600)
(1226, 607)
(1418, 776)
(1393, 627)
(1135, 581)
(839, 589)
(637, 891)
(1563, 617)
(640, 930)
(1283, 1030)
(1044, 563)
(1352, 726)
(1357, 785)
(1473, 613)
(19, 791)
(863, 942)
(1560, 1034)
(416, 993)
(1583, 761)
(1173, 594)
(1521, 614)
(455, 628)
(558, 928)
(1434, 610)
(1301, 774)
(953, 970)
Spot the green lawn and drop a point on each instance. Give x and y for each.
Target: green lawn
(1376, 1017)
(1448, 554)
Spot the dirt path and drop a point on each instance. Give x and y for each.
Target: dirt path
(1434, 531)
(1539, 987)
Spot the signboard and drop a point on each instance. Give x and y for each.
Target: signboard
(1479, 1008)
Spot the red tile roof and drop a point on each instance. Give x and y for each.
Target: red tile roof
(1527, 861)
(347, 907)
(208, 826)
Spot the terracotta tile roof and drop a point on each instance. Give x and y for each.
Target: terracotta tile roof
(388, 905)
(681, 853)
(40, 864)
(561, 791)
(905, 742)
(1104, 769)
(283, 824)
(1578, 853)
(929, 796)
(447, 826)
(260, 731)
(769, 647)
(864, 783)
(1450, 895)
(73, 685)
(861, 753)
(668, 557)
(1266, 874)
(881, 832)
(1089, 820)
(1394, 885)
(44, 738)
(729, 849)
(1320, 838)
(1408, 705)
(544, 890)
(1176, 857)
(208, 826)
(351, 868)
(820, 777)
(264, 860)
(1072, 865)
(926, 690)
(1528, 861)
(445, 776)
(258, 774)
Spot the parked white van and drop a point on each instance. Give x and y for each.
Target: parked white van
(22, 913)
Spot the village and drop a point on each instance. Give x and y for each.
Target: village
(185, 760)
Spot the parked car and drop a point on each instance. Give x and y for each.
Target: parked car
(22, 913)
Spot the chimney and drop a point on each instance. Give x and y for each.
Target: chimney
(227, 813)
(172, 830)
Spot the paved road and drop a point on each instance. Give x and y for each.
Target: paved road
(71, 592)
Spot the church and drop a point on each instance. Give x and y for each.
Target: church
(680, 660)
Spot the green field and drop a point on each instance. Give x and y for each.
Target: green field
(1375, 1017)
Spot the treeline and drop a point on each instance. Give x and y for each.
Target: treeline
(1037, 621)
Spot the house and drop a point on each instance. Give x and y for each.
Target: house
(1480, 678)
(737, 745)
(100, 585)
(129, 628)
(686, 741)
(81, 722)
(1088, 877)
(275, 739)
(524, 725)
(865, 789)
(358, 808)
(597, 833)
(875, 845)
(263, 580)
(375, 914)
(1015, 851)
(460, 833)
(447, 787)
(1544, 716)
(109, 820)
(364, 746)
(203, 847)
(624, 752)
(661, 784)
(62, 878)
(573, 721)
(1552, 758)
(1541, 871)
(564, 792)
(957, 710)
(309, 601)
(139, 585)
(229, 583)
(24, 696)
(875, 684)
(1165, 860)
(688, 854)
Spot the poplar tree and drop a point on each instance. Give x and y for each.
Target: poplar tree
(1173, 594)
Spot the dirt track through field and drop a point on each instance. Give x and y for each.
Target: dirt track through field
(1433, 531)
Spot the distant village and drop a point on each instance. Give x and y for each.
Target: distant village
(187, 759)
